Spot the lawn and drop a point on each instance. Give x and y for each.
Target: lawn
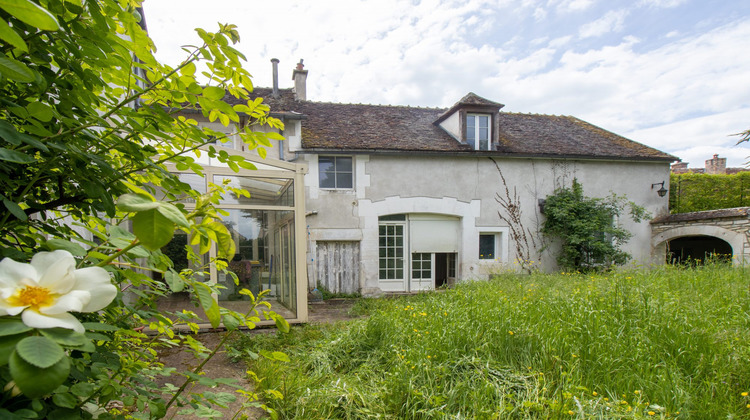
(664, 343)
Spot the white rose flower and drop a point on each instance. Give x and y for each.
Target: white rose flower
(47, 289)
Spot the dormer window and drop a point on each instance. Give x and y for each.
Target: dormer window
(478, 131)
(473, 121)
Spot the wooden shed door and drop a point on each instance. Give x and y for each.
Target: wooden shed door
(337, 267)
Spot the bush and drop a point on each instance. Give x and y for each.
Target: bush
(700, 192)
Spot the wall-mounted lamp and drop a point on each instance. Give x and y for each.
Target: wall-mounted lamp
(542, 203)
(661, 191)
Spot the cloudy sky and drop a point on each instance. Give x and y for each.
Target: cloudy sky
(673, 74)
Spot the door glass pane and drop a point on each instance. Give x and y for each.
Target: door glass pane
(391, 252)
(263, 260)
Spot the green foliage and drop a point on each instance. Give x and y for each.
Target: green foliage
(698, 192)
(587, 228)
(670, 341)
(89, 132)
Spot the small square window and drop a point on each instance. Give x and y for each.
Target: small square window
(487, 246)
(335, 172)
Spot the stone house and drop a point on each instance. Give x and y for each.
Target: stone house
(401, 199)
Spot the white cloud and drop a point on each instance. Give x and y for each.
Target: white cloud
(434, 52)
(564, 6)
(696, 139)
(661, 3)
(610, 22)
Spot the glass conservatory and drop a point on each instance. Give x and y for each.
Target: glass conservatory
(268, 229)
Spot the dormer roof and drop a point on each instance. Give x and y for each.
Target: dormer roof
(470, 100)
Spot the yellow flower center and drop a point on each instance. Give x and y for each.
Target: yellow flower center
(35, 297)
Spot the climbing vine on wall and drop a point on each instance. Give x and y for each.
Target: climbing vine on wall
(699, 192)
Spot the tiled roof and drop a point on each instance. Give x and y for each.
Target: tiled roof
(380, 128)
(736, 212)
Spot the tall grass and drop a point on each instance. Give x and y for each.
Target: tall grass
(669, 343)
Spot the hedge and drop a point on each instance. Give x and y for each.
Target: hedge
(698, 192)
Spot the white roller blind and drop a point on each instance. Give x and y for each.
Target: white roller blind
(432, 235)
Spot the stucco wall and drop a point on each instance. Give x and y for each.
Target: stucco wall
(466, 187)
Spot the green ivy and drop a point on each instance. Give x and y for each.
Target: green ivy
(587, 229)
(699, 192)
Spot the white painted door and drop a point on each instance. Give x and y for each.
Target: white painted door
(422, 271)
(392, 242)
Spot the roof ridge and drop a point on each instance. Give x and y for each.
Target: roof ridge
(376, 105)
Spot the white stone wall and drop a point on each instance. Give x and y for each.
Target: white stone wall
(466, 187)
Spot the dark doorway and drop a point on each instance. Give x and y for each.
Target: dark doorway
(696, 249)
(441, 270)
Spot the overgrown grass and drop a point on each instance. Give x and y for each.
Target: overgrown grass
(669, 343)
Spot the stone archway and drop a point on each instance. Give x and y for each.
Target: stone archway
(696, 249)
(709, 230)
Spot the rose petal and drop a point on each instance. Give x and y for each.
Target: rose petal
(71, 302)
(7, 309)
(96, 281)
(12, 273)
(56, 270)
(36, 320)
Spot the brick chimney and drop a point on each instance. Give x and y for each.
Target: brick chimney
(716, 165)
(680, 167)
(300, 82)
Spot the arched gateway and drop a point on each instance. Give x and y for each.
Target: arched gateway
(694, 235)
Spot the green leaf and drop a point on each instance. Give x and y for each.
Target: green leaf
(34, 381)
(7, 415)
(10, 326)
(281, 323)
(231, 322)
(83, 389)
(98, 326)
(87, 346)
(15, 156)
(208, 303)
(276, 355)
(10, 36)
(8, 346)
(9, 133)
(225, 245)
(213, 92)
(174, 281)
(40, 111)
(73, 248)
(66, 400)
(15, 70)
(40, 351)
(152, 229)
(174, 214)
(136, 203)
(188, 69)
(31, 13)
(15, 209)
(64, 336)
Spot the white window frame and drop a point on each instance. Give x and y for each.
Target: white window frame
(476, 118)
(335, 173)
